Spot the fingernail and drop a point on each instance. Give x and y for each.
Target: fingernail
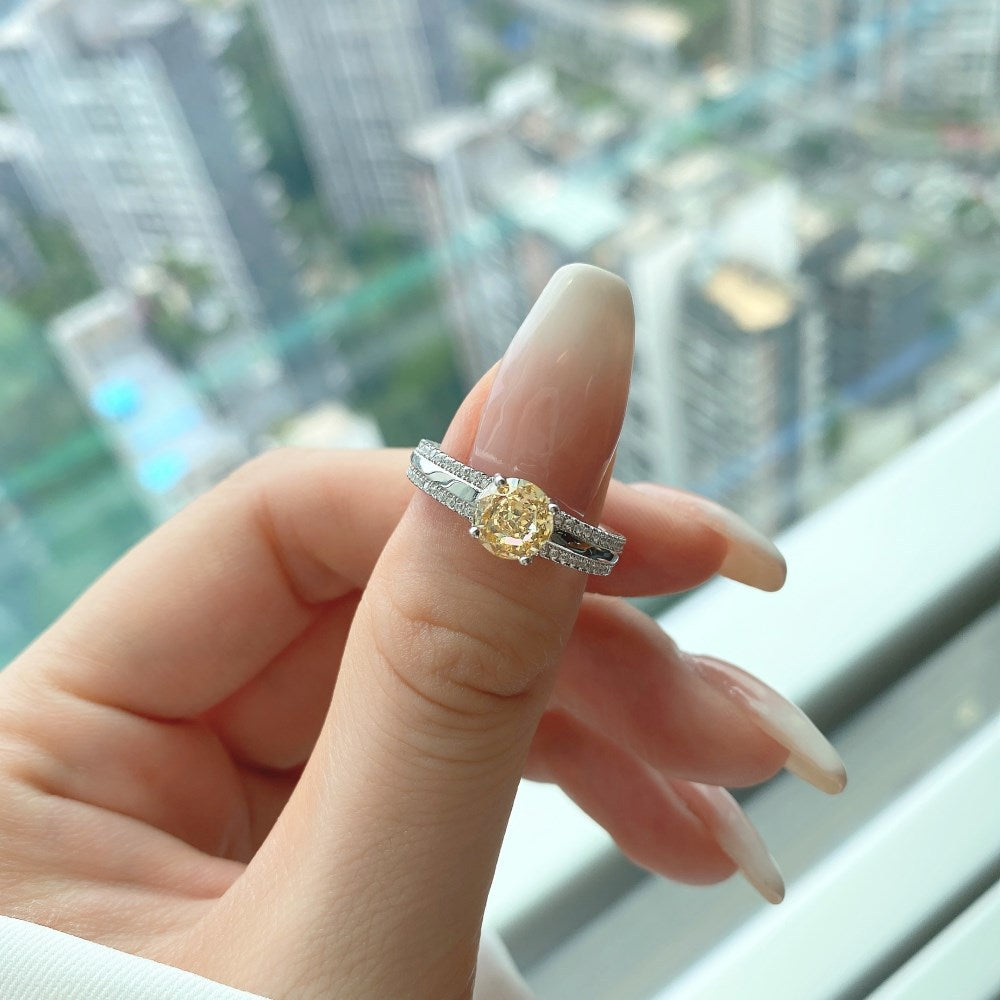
(572, 356)
(811, 756)
(752, 557)
(732, 830)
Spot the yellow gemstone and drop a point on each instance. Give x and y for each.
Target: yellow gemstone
(513, 519)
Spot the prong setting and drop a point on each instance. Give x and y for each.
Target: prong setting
(514, 518)
(475, 531)
(554, 507)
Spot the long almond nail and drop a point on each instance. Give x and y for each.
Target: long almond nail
(732, 830)
(811, 756)
(572, 355)
(752, 558)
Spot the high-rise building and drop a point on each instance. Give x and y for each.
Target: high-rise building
(655, 260)
(140, 149)
(498, 209)
(794, 38)
(935, 53)
(822, 241)
(330, 425)
(23, 187)
(359, 74)
(877, 299)
(950, 59)
(750, 360)
(450, 156)
(502, 217)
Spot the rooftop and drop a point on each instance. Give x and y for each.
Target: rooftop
(109, 311)
(871, 257)
(97, 23)
(571, 214)
(523, 88)
(652, 23)
(755, 302)
(440, 135)
(638, 23)
(330, 425)
(699, 169)
(813, 224)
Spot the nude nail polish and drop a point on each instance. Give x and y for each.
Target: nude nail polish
(811, 756)
(732, 830)
(752, 558)
(572, 355)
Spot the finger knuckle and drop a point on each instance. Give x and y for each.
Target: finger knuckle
(469, 653)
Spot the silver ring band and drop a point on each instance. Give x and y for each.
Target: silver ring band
(563, 539)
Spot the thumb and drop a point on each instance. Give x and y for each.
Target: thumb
(384, 855)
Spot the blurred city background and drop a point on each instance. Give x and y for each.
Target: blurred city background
(231, 224)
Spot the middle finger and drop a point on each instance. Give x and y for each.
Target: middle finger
(691, 717)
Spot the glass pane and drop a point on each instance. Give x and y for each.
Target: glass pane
(227, 225)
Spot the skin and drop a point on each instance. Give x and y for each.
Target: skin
(261, 734)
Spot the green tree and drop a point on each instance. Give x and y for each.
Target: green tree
(496, 14)
(38, 410)
(484, 67)
(587, 91)
(249, 55)
(422, 390)
(175, 305)
(813, 150)
(395, 342)
(378, 246)
(67, 277)
(975, 218)
(708, 38)
(834, 431)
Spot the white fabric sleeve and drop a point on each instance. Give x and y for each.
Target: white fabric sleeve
(38, 963)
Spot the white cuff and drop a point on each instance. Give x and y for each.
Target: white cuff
(38, 963)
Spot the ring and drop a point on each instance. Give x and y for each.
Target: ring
(513, 518)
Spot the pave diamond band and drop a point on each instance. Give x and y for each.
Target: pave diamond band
(513, 518)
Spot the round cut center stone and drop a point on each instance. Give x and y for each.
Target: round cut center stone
(513, 519)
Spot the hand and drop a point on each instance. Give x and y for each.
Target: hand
(278, 742)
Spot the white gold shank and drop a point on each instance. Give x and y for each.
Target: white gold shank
(574, 543)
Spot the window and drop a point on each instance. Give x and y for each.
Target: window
(817, 200)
